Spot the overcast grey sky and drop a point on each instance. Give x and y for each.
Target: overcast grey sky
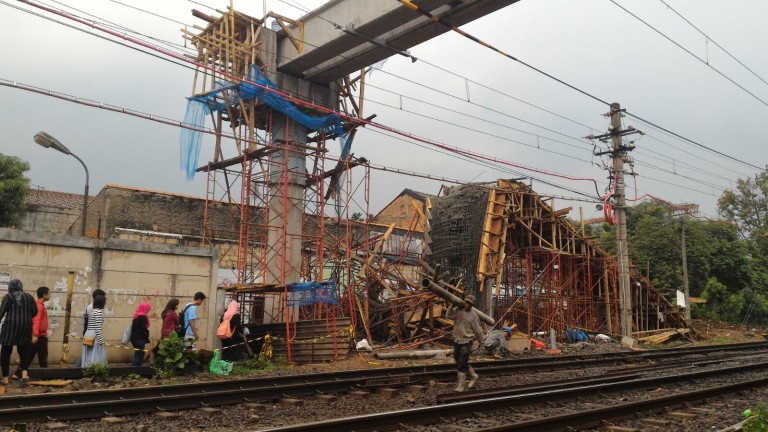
(591, 44)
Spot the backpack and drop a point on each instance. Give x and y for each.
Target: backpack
(181, 330)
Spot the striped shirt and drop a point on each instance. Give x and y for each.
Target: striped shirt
(95, 322)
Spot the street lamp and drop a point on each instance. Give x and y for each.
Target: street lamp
(48, 141)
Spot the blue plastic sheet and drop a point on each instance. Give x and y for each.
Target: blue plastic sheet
(198, 107)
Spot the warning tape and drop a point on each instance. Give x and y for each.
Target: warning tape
(266, 338)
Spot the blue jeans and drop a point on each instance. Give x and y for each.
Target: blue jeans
(138, 355)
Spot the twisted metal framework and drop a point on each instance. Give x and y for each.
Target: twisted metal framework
(275, 188)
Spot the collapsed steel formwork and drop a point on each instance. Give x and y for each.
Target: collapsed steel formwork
(537, 271)
(502, 242)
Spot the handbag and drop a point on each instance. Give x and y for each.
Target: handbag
(88, 341)
(126, 334)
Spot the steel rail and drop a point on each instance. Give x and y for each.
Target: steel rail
(120, 370)
(431, 414)
(319, 382)
(610, 376)
(594, 417)
(90, 404)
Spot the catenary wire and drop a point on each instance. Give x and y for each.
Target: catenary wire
(714, 42)
(312, 104)
(538, 136)
(691, 53)
(415, 7)
(496, 160)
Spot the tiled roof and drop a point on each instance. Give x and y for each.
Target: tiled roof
(45, 198)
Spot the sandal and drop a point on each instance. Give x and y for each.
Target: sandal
(24, 376)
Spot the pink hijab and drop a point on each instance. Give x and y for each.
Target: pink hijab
(143, 310)
(232, 309)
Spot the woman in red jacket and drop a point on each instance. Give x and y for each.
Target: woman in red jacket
(170, 318)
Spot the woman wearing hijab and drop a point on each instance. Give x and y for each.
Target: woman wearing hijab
(95, 353)
(17, 308)
(170, 318)
(140, 332)
(231, 334)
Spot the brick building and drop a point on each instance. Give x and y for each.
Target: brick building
(51, 212)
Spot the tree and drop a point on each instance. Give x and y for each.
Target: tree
(14, 188)
(747, 206)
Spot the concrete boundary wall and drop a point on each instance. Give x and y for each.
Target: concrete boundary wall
(128, 271)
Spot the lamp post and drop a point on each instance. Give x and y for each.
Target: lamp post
(48, 141)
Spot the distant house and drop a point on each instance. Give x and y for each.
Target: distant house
(52, 212)
(401, 211)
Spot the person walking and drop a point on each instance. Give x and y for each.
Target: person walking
(170, 318)
(93, 339)
(17, 309)
(231, 334)
(39, 345)
(190, 317)
(140, 332)
(466, 324)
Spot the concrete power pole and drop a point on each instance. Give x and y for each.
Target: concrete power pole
(685, 270)
(619, 154)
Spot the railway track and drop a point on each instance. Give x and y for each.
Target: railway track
(126, 401)
(536, 395)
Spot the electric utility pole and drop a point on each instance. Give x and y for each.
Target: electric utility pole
(685, 270)
(620, 154)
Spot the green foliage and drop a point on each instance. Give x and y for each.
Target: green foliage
(747, 206)
(14, 188)
(174, 353)
(132, 377)
(252, 366)
(729, 306)
(726, 267)
(759, 420)
(97, 372)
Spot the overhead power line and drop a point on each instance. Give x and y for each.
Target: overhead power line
(310, 104)
(693, 142)
(442, 21)
(714, 42)
(422, 85)
(434, 143)
(692, 54)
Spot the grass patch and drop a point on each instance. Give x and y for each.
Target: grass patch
(721, 340)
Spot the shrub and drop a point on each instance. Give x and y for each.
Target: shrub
(759, 421)
(174, 354)
(97, 372)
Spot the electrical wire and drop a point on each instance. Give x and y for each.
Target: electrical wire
(538, 136)
(311, 105)
(714, 42)
(499, 161)
(426, 13)
(691, 53)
